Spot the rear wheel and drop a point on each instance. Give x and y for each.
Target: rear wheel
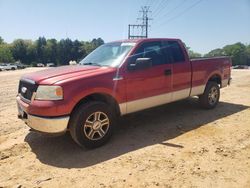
(210, 98)
(91, 124)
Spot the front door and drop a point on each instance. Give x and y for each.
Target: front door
(151, 86)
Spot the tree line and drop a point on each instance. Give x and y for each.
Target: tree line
(240, 53)
(46, 51)
(61, 52)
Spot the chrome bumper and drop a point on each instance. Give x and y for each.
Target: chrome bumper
(54, 125)
(46, 125)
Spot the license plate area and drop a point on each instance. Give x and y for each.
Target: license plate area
(21, 113)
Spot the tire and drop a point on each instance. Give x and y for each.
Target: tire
(86, 127)
(210, 98)
(13, 68)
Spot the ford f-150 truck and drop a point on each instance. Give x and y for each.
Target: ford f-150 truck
(117, 78)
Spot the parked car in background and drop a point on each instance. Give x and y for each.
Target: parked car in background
(21, 66)
(72, 62)
(51, 65)
(1, 67)
(8, 67)
(241, 67)
(40, 65)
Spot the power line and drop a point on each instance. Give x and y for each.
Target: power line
(141, 30)
(162, 7)
(172, 10)
(157, 3)
(183, 12)
(149, 2)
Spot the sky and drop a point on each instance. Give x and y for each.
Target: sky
(202, 24)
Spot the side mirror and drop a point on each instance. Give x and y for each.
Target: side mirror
(140, 63)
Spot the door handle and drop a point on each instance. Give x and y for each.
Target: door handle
(168, 72)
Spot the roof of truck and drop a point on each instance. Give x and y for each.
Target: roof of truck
(145, 40)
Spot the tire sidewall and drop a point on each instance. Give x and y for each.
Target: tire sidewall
(80, 117)
(207, 90)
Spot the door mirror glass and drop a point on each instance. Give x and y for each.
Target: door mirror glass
(140, 63)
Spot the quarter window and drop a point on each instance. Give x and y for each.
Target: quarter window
(174, 50)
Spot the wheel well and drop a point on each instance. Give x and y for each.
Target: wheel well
(108, 99)
(215, 78)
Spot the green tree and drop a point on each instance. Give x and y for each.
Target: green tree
(64, 50)
(215, 52)
(19, 50)
(248, 54)
(87, 47)
(97, 42)
(5, 54)
(51, 51)
(47, 51)
(41, 51)
(1, 41)
(31, 53)
(77, 52)
(90, 46)
(193, 54)
(238, 53)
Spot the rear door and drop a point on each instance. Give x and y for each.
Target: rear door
(152, 86)
(181, 69)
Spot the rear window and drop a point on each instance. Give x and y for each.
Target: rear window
(175, 51)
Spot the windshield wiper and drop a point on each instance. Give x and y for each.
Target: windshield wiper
(90, 63)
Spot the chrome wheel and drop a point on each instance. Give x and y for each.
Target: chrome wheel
(96, 126)
(213, 95)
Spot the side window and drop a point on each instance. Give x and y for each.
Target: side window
(174, 50)
(151, 50)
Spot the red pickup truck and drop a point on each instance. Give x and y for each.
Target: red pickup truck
(116, 79)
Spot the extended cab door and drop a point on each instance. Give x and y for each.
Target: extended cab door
(181, 69)
(151, 86)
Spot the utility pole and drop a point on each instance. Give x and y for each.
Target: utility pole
(140, 28)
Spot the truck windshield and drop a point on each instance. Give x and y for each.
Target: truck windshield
(110, 54)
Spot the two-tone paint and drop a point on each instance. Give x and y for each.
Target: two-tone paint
(131, 91)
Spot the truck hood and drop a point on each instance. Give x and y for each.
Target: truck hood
(53, 75)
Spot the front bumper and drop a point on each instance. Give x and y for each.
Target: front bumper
(47, 125)
(53, 125)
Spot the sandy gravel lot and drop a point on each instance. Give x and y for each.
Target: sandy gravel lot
(176, 145)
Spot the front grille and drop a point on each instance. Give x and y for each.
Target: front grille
(26, 88)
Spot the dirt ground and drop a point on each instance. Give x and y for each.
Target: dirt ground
(176, 145)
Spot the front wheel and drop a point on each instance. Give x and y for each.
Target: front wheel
(91, 124)
(210, 98)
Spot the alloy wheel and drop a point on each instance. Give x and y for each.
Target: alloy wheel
(96, 126)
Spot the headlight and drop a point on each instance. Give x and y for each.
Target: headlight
(49, 93)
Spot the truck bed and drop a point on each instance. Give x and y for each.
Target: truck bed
(206, 67)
